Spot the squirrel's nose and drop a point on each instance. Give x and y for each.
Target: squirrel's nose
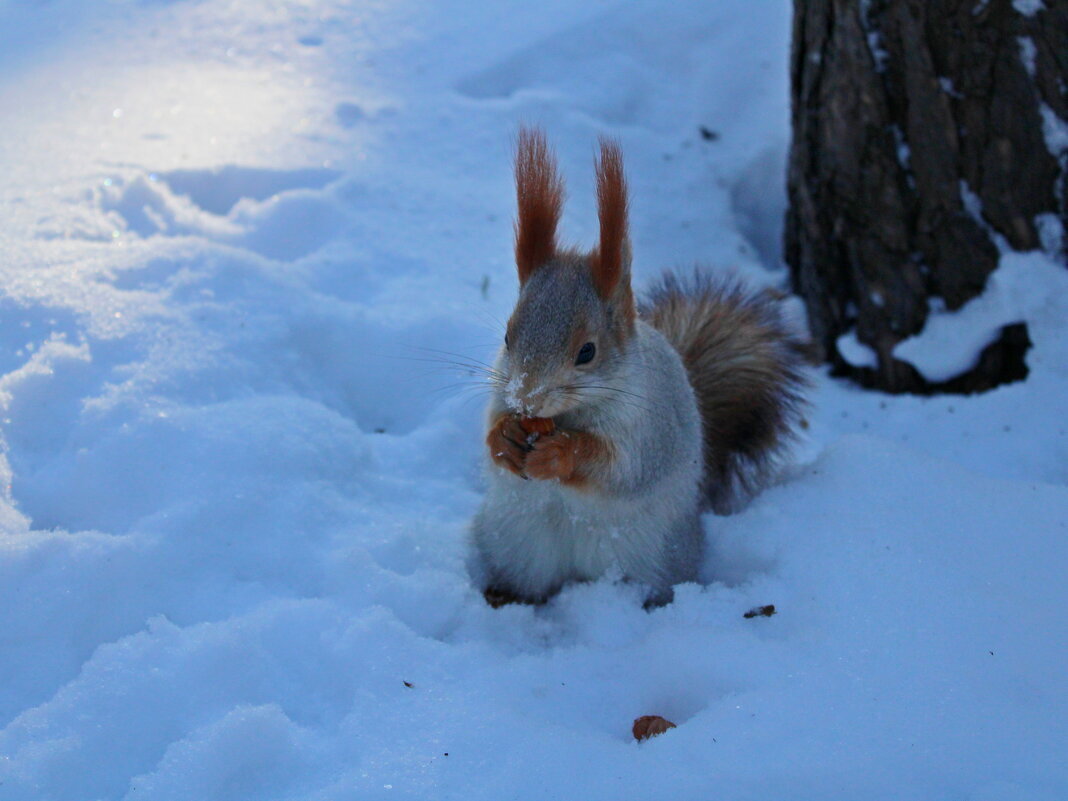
(523, 398)
(529, 405)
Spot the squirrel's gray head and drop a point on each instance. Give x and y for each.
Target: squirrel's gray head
(575, 313)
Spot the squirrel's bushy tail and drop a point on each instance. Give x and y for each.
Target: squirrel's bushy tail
(746, 368)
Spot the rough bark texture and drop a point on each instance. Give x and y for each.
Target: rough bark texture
(918, 138)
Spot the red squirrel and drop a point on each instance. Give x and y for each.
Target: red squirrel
(613, 425)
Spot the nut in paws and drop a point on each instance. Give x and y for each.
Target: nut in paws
(552, 457)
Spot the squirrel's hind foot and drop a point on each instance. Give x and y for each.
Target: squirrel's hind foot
(501, 596)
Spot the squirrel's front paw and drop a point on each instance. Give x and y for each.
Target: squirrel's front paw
(507, 442)
(552, 456)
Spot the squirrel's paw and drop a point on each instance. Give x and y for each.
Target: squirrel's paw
(552, 456)
(507, 442)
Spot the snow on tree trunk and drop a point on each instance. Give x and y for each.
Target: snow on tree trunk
(927, 134)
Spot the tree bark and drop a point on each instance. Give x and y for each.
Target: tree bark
(921, 143)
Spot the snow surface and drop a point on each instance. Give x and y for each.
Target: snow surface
(1026, 287)
(237, 238)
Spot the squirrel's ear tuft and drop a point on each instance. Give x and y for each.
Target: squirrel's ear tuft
(610, 262)
(539, 193)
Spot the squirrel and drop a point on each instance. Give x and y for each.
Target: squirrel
(612, 426)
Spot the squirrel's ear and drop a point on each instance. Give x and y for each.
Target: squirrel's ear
(540, 197)
(610, 262)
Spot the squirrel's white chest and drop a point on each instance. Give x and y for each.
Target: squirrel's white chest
(547, 534)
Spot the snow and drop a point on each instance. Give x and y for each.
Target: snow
(1028, 288)
(1055, 131)
(856, 352)
(904, 153)
(1028, 54)
(248, 251)
(1050, 233)
(1028, 7)
(973, 204)
(947, 83)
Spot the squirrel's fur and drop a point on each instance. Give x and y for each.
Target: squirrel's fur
(745, 368)
(655, 416)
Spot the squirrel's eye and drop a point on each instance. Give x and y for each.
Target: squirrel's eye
(506, 342)
(586, 353)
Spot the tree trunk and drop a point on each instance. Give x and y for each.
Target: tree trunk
(926, 134)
